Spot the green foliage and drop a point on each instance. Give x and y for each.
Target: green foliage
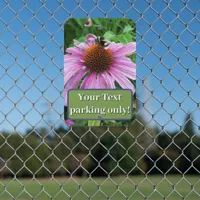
(94, 122)
(182, 148)
(115, 30)
(117, 151)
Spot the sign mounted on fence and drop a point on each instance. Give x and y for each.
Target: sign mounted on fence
(99, 72)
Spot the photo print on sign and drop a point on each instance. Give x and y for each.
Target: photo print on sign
(99, 72)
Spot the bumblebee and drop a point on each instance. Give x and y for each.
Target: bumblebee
(101, 41)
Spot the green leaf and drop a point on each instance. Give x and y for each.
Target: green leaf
(81, 39)
(109, 122)
(81, 123)
(109, 35)
(81, 21)
(127, 29)
(94, 122)
(133, 57)
(125, 38)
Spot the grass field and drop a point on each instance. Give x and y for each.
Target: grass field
(136, 188)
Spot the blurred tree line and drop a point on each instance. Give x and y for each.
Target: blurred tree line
(98, 151)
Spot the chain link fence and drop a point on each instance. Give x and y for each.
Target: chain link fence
(157, 158)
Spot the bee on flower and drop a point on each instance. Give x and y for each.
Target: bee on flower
(89, 65)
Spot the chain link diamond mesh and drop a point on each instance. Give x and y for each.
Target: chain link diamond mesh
(164, 140)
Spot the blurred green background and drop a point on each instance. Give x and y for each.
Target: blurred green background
(99, 152)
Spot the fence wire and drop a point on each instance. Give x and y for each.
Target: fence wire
(109, 162)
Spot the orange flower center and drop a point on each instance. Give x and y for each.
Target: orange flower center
(97, 59)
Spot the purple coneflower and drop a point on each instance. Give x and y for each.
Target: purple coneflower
(88, 23)
(69, 122)
(91, 66)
